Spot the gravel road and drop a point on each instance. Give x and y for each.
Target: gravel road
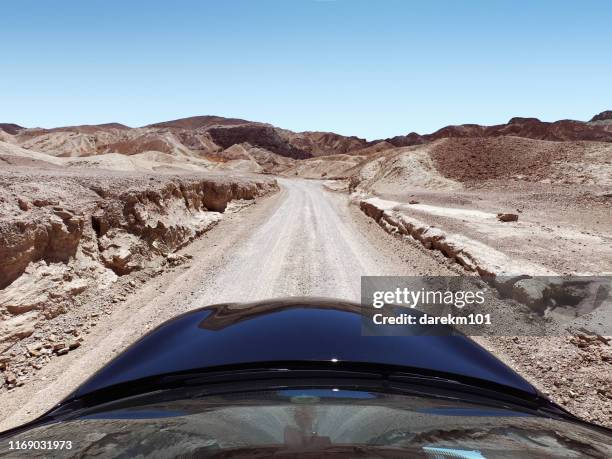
(310, 245)
(303, 241)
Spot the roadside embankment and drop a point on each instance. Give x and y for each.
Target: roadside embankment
(485, 243)
(472, 254)
(62, 234)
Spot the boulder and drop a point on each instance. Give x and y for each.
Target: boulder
(41, 286)
(531, 292)
(16, 328)
(10, 378)
(507, 217)
(119, 251)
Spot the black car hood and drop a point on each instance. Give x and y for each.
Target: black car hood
(290, 330)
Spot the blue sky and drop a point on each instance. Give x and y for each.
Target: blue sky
(368, 68)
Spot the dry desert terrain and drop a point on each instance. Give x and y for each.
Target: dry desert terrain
(107, 231)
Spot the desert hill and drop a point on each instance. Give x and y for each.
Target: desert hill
(198, 136)
(531, 128)
(603, 116)
(10, 128)
(202, 135)
(215, 142)
(457, 163)
(199, 122)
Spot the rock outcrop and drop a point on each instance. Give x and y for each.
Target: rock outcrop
(531, 128)
(603, 116)
(61, 235)
(10, 128)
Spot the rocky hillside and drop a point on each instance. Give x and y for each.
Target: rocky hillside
(603, 116)
(459, 162)
(531, 128)
(471, 160)
(206, 137)
(10, 128)
(200, 136)
(62, 234)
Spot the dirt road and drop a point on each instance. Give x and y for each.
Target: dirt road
(302, 241)
(310, 245)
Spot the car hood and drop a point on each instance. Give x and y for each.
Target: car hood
(293, 330)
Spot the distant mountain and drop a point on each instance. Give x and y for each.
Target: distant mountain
(10, 128)
(226, 132)
(200, 122)
(603, 116)
(208, 136)
(530, 128)
(90, 128)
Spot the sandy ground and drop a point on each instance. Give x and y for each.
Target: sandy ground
(564, 229)
(302, 241)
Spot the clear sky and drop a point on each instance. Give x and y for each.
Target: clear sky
(368, 68)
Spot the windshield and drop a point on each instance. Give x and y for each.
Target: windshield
(314, 423)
